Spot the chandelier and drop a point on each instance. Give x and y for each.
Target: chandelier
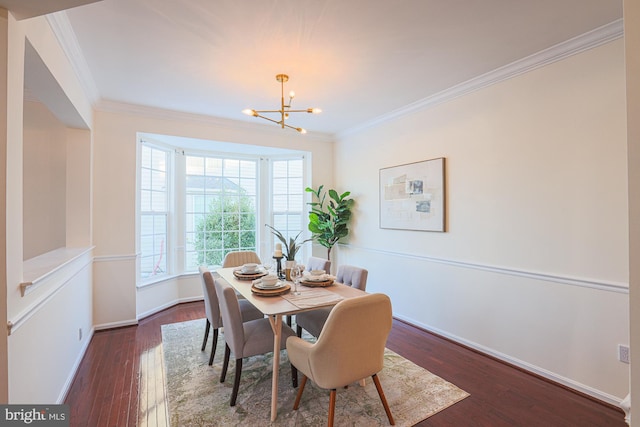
(285, 109)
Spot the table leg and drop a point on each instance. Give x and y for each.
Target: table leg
(276, 325)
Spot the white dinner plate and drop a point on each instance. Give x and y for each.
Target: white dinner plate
(256, 271)
(322, 278)
(278, 285)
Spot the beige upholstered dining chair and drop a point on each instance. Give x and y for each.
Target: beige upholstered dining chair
(350, 347)
(212, 310)
(244, 339)
(238, 258)
(314, 320)
(316, 263)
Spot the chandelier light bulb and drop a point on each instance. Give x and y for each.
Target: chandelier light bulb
(292, 94)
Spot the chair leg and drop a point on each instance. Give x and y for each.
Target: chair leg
(206, 335)
(213, 346)
(332, 407)
(289, 320)
(225, 364)
(299, 331)
(236, 382)
(294, 376)
(300, 390)
(383, 399)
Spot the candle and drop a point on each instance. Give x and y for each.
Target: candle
(278, 252)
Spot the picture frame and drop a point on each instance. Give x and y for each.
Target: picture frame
(412, 196)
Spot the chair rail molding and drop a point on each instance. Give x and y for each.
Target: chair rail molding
(618, 287)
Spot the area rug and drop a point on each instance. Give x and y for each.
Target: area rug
(197, 398)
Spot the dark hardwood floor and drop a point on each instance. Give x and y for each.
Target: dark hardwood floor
(120, 381)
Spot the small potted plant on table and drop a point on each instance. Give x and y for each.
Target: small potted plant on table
(290, 248)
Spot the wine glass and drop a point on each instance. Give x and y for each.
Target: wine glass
(267, 263)
(295, 276)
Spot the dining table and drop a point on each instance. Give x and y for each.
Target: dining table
(286, 303)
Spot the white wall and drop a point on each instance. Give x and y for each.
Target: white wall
(48, 341)
(534, 265)
(114, 185)
(632, 56)
(44, 331)
(44, 185)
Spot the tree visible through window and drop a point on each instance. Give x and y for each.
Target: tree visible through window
(220, 208)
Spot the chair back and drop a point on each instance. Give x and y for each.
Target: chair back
(315, 263)
(238, 258)
(211, 306)
(353, 276)
(352, 342)
(231, 316)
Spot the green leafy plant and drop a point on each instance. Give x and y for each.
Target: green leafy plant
(290, 248)
(328, 222)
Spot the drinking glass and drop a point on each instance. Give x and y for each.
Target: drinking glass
(295, 276)
(267, 263)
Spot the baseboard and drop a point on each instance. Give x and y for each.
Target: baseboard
(537, 371)
(170, 304)
(113, 325)
(67, 385)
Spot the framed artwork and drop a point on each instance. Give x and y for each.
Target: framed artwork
(412, 196)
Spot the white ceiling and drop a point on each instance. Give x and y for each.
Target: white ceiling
(357, 59)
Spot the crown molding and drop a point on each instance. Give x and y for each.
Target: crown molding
(109, 106)
(61, 27)
(576, 45)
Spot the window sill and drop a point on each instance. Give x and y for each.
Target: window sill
(159, 280)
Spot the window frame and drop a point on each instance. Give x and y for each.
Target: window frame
(176, 224)
(167, 213)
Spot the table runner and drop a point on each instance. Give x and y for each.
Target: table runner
(314, 297)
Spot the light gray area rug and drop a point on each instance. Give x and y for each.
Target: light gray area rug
(197, 398)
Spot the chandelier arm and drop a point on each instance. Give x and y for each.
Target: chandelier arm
(294, 128)
(268, 118)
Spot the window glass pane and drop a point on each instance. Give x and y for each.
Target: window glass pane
(279, 186)
(295, 185)
(215, 200)
(159, 201)
(145, 157)
(214, 167)
(159, 160)
(195, 165)
(145, 178)
(279, 169)
(288, 197)
(154, 196)
(145, 200)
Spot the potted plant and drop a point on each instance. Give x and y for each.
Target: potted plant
(328, 222)
(290, 248)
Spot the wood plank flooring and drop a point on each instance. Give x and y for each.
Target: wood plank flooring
(120, 381)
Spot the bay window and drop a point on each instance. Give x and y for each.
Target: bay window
(196, 206)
